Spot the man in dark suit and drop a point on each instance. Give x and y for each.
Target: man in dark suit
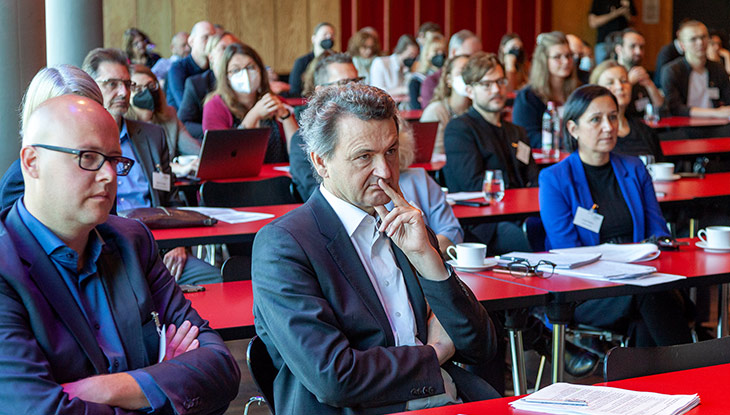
(85, 301)
(480, 140)
(354, 303)
(693, 85)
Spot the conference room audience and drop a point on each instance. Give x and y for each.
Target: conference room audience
(149, 105)
(634, 137)
(390, 73)
(363, 46)
(193, 64)
(615, 191)
(137, 44)
(431, 59)
(323, 38)
(552, 78)
(449, 99)
(516, 66)
(179, 49)
(242, 99)
(463, 42)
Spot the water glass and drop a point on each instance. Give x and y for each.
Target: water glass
(647, 159)
(493, 186)
(651, 114)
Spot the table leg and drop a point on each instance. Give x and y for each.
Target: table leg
(516, 348)
(722, 316)
(558, 352)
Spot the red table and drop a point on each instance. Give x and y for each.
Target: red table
(411, 115)
(696, 146)
(709, 382)
(677, 122)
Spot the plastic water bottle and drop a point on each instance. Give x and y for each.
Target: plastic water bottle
(548, 130)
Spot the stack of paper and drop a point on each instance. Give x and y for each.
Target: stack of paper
(453, 197)
(230, 215)
(564, 398)
(561, 261)
(616, 252)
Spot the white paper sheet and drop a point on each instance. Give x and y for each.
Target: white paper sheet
(230, 215)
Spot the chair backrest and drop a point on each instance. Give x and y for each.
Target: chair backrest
(274, 191)
(262, 369)
(629, 362)
(236, 268)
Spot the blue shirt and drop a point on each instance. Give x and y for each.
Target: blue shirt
(87, 288)
(176, 76)
(133, 190)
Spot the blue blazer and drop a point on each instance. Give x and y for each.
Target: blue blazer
(564, 187)
(46, 340)
(326, 330)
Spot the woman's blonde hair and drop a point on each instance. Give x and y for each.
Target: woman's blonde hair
(433, 39)
(539, 72)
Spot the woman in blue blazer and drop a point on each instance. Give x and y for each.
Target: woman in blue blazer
(598, 183)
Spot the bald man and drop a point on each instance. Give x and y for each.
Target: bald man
(192, 64)
(86, 303)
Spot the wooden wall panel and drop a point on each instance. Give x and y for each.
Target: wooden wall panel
(319, 11)
(119, 15)
(293, 39)
(227, 13)
(155, 18)
(185, 13)
(657, 35)
(258, 28)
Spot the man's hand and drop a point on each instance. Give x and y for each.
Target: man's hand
(174, 260)
(116, 389)
(440, 340)
(181, 340)
(510, 62)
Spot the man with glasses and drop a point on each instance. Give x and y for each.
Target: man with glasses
(85, 301)
(693, 85)
(481, 140)
(149, 182)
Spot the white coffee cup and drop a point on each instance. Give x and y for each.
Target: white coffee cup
(715, 236)
(661, 171)
(468, 254)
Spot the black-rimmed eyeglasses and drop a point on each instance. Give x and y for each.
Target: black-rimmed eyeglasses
(520, 268)
(93, 160)
(343, 82)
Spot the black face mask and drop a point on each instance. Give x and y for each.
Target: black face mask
(518, 53)
(408, 62)
(438, 60)
(144, 100)
(327, 44)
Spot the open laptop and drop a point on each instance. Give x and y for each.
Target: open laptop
(424, 134)
(230, 154)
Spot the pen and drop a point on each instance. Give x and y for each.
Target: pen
(472, 204)
(570, 402)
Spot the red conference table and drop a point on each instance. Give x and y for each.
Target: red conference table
(709, 382)
(678, 122)
(695, 147)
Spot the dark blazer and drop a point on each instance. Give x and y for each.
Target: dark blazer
(666, 54)
(150, 149)
(564, 187)
(191, 107)
(527, 113)
(675, 83)
(300, 168)
(295, 76)
(47, 342)
(320, 318)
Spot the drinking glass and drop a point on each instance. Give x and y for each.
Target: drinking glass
(493, 186)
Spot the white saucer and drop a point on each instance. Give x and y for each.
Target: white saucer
(488, 263)
(704, 246)
(670, 179)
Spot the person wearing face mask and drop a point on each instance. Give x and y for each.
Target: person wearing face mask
(364, 46)
(389, 72)
(581, 57)
(552, 78)
(512, 55)
(149, 105)
(634, 137)
(430, 60)
(323, 39)
(242, 99)
(449, 99)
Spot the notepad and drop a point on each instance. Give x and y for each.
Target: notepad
(616, 252)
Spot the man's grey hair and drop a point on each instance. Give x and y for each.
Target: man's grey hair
(320, 121)
(321, 73)
(458, 39)
(95, 58)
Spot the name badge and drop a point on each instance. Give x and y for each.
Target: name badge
(713, 93)
(161, 181)
(588, 219)
(523, 152)
(640, 104)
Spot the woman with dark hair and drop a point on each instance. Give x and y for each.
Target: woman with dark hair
(148, 104)
(242, 99)
(449, 99)
(389, 72)
(135, 44)
(512, 55)
(616, 191)
(364, 47)
(552, 78)
(634, 137)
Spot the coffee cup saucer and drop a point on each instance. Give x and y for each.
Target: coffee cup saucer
(708, 248)
(668, 179)
(488, 263)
